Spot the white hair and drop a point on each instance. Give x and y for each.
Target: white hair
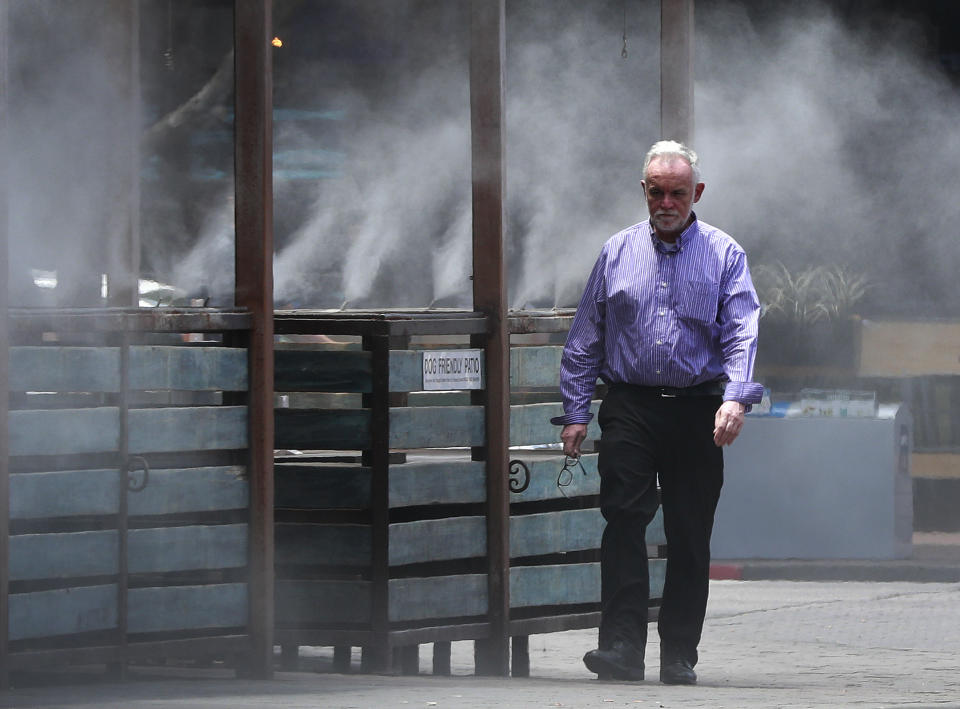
(671, 148)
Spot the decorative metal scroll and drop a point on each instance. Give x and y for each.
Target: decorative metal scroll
(134, 463)
(519, 476)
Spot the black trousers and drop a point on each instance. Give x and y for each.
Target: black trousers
(646, 436)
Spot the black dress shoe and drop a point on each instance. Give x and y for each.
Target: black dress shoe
(677, 672)
(620, 662)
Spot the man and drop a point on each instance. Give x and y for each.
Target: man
(668, 320)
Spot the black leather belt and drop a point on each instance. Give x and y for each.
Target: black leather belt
(704, 389)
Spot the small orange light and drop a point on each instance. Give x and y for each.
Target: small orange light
(277, 42)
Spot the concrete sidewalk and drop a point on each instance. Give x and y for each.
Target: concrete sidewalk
(766, 644)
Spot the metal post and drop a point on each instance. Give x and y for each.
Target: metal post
(123, 256)
(254, 290)
(4, 366)
(487, 58)
(676, 70)
(377, 657)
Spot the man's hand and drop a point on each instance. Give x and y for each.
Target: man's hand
(572, 436)
(728, 423)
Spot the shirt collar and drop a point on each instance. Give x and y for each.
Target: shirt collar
(685, 236)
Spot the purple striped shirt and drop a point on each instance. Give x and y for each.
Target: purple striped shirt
(659, 314)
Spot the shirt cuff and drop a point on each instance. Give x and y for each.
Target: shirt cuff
(571, 418)
(744, 392)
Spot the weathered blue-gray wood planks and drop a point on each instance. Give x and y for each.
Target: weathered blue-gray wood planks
(97, 430)
(437, 540)
(418, 599)
(97, 369)
(154, 550)
(65, 611)
(537, 366)
(564, 584)
(70, 611)
(349, 429)
(324, 486)
(73, 493)
(530, 424)
(185, 490)
(159, 609)
(69, 555)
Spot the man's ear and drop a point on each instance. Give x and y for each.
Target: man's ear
(643, 187)
(697, 191)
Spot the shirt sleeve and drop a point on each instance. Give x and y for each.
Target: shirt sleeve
(583, 355)
(738, 317)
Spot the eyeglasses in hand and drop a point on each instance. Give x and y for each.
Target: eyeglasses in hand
(565, 478)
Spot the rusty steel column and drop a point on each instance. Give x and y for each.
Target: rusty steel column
(676, 70)
(487, 55)
(254, 290)
(4, 366)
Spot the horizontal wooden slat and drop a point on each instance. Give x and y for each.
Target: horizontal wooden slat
(304, 602)
(406, 370)
(530, 424)
(94, 492)
(436, 427)
(321, 370)
(55, 556)
(65, 369)
(182, 490)
(196, 547)
(438, 597)
(330, 486)
(77, 554)
(567, 530)
(544, 471)
(75, 431)
(535, 366)
(555, 532)
(437, 540)
(323, 544)
(321, 486)
(97, 369)
(439, 483)
(63, 612)
(564, 584)
(64, 494)
(318, 429)
(64, 431)
(188, 368)
(187, 607)
(191, 428)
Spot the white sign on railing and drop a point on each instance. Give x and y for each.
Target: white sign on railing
(454, 369)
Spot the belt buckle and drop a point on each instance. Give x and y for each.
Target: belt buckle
(665, 395)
